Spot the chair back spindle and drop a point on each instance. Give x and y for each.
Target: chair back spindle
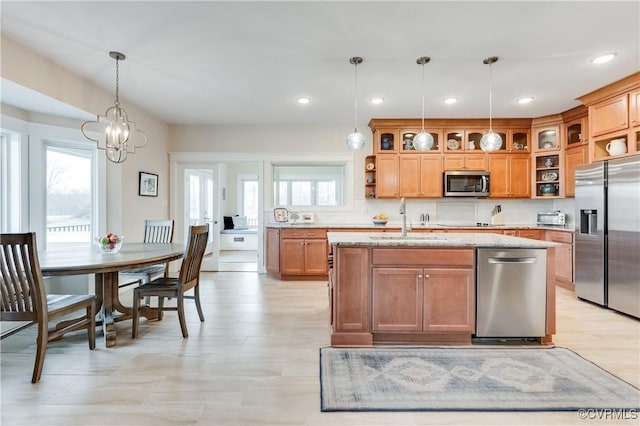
(194, 253)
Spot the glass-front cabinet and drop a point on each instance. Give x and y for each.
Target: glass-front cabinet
(454, 140)
(520, 140)
(547, 138)
(407, 137)
(386, 141)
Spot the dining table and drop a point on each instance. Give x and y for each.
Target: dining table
(61, 259)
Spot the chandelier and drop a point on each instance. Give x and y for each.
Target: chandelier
(116, 134)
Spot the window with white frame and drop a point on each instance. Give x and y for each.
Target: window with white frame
(308, 185)
(11, 182)
(247, 198)
(69, 193)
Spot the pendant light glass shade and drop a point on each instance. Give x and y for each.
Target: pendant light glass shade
(423, 141)
(490, 141)
(355, 140)
(118, 135)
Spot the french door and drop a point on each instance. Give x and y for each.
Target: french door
(201, 208)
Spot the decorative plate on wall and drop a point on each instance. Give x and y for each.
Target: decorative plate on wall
(549, 176)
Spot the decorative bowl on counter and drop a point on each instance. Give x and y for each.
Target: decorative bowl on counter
(379, 221)
(110, 243)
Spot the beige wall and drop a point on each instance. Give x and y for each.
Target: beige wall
(126, 210)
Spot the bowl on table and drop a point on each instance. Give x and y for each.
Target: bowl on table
(110, 243)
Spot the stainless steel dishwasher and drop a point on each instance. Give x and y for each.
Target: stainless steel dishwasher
(511, 293)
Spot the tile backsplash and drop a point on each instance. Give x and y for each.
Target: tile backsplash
(449, 211)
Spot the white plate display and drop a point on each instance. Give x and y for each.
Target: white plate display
(453, 144)
(549, 176)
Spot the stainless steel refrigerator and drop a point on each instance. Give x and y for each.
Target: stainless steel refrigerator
(607, 237)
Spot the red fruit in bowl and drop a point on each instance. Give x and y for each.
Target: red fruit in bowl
(111, 246)
(113, 238)
(109, 235)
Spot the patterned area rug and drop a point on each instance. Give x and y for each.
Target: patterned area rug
(467, 379)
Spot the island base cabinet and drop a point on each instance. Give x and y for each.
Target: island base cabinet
(449, 300)
(423, 300)
(351, 297)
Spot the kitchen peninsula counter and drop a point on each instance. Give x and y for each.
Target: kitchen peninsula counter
(418, 289)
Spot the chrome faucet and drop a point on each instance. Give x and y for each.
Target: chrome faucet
(403, 212)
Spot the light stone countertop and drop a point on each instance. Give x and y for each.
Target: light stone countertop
(450, 239)
(396, 226)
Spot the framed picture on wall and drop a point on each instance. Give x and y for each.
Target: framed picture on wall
(148, 185)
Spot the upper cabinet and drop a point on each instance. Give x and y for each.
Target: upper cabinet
(613, 119)
(610, 115)
(407, 136)
(546, 133)
(386, 141)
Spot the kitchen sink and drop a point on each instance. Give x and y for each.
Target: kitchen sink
(408, 237)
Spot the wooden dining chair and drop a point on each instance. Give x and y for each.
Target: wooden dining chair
(188, 279)
(155, 231)
(24, 297)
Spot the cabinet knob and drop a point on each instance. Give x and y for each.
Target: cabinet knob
(427, 276)
(419, 276)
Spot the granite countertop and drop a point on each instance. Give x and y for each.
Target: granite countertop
(396, 226)
(416, 239)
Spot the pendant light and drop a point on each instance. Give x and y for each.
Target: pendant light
(355, 140)
(423, 141)
(117, 132)
(490, 141)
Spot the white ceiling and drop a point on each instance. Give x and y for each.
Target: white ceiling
(242, 62)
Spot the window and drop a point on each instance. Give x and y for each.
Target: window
(11, 199)
(69, 199)
(248, 198)
(308, 185)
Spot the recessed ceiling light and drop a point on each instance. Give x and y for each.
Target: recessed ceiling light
(304, 100)
(603, 58)
(377, 101)
(451, 100)
(525, 100)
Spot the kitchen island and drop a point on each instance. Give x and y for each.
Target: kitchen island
(418, 289)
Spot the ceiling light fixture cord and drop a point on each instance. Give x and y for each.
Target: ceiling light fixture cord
(117, 101)
(355, 61)
(422, 63)
(490, 99)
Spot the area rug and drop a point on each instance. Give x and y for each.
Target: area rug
(467, 379)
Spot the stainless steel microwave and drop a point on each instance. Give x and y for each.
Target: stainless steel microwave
(466, 184)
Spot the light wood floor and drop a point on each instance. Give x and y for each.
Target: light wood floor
(254, 361)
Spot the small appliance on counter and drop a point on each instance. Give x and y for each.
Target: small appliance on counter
(555, 218)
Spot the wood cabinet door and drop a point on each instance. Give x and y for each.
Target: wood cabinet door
(453, 162)
(315, 256)
(500, 177)
(351, 289)
(387, 176)
(572, 158)
(431, 176)
(609, 115)
(564, 263)
(273, 251)
(396, 299)
(520, 176)
(292, 256)
(449, 300)
(634, 108)
(475, 162)
(409, 175)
